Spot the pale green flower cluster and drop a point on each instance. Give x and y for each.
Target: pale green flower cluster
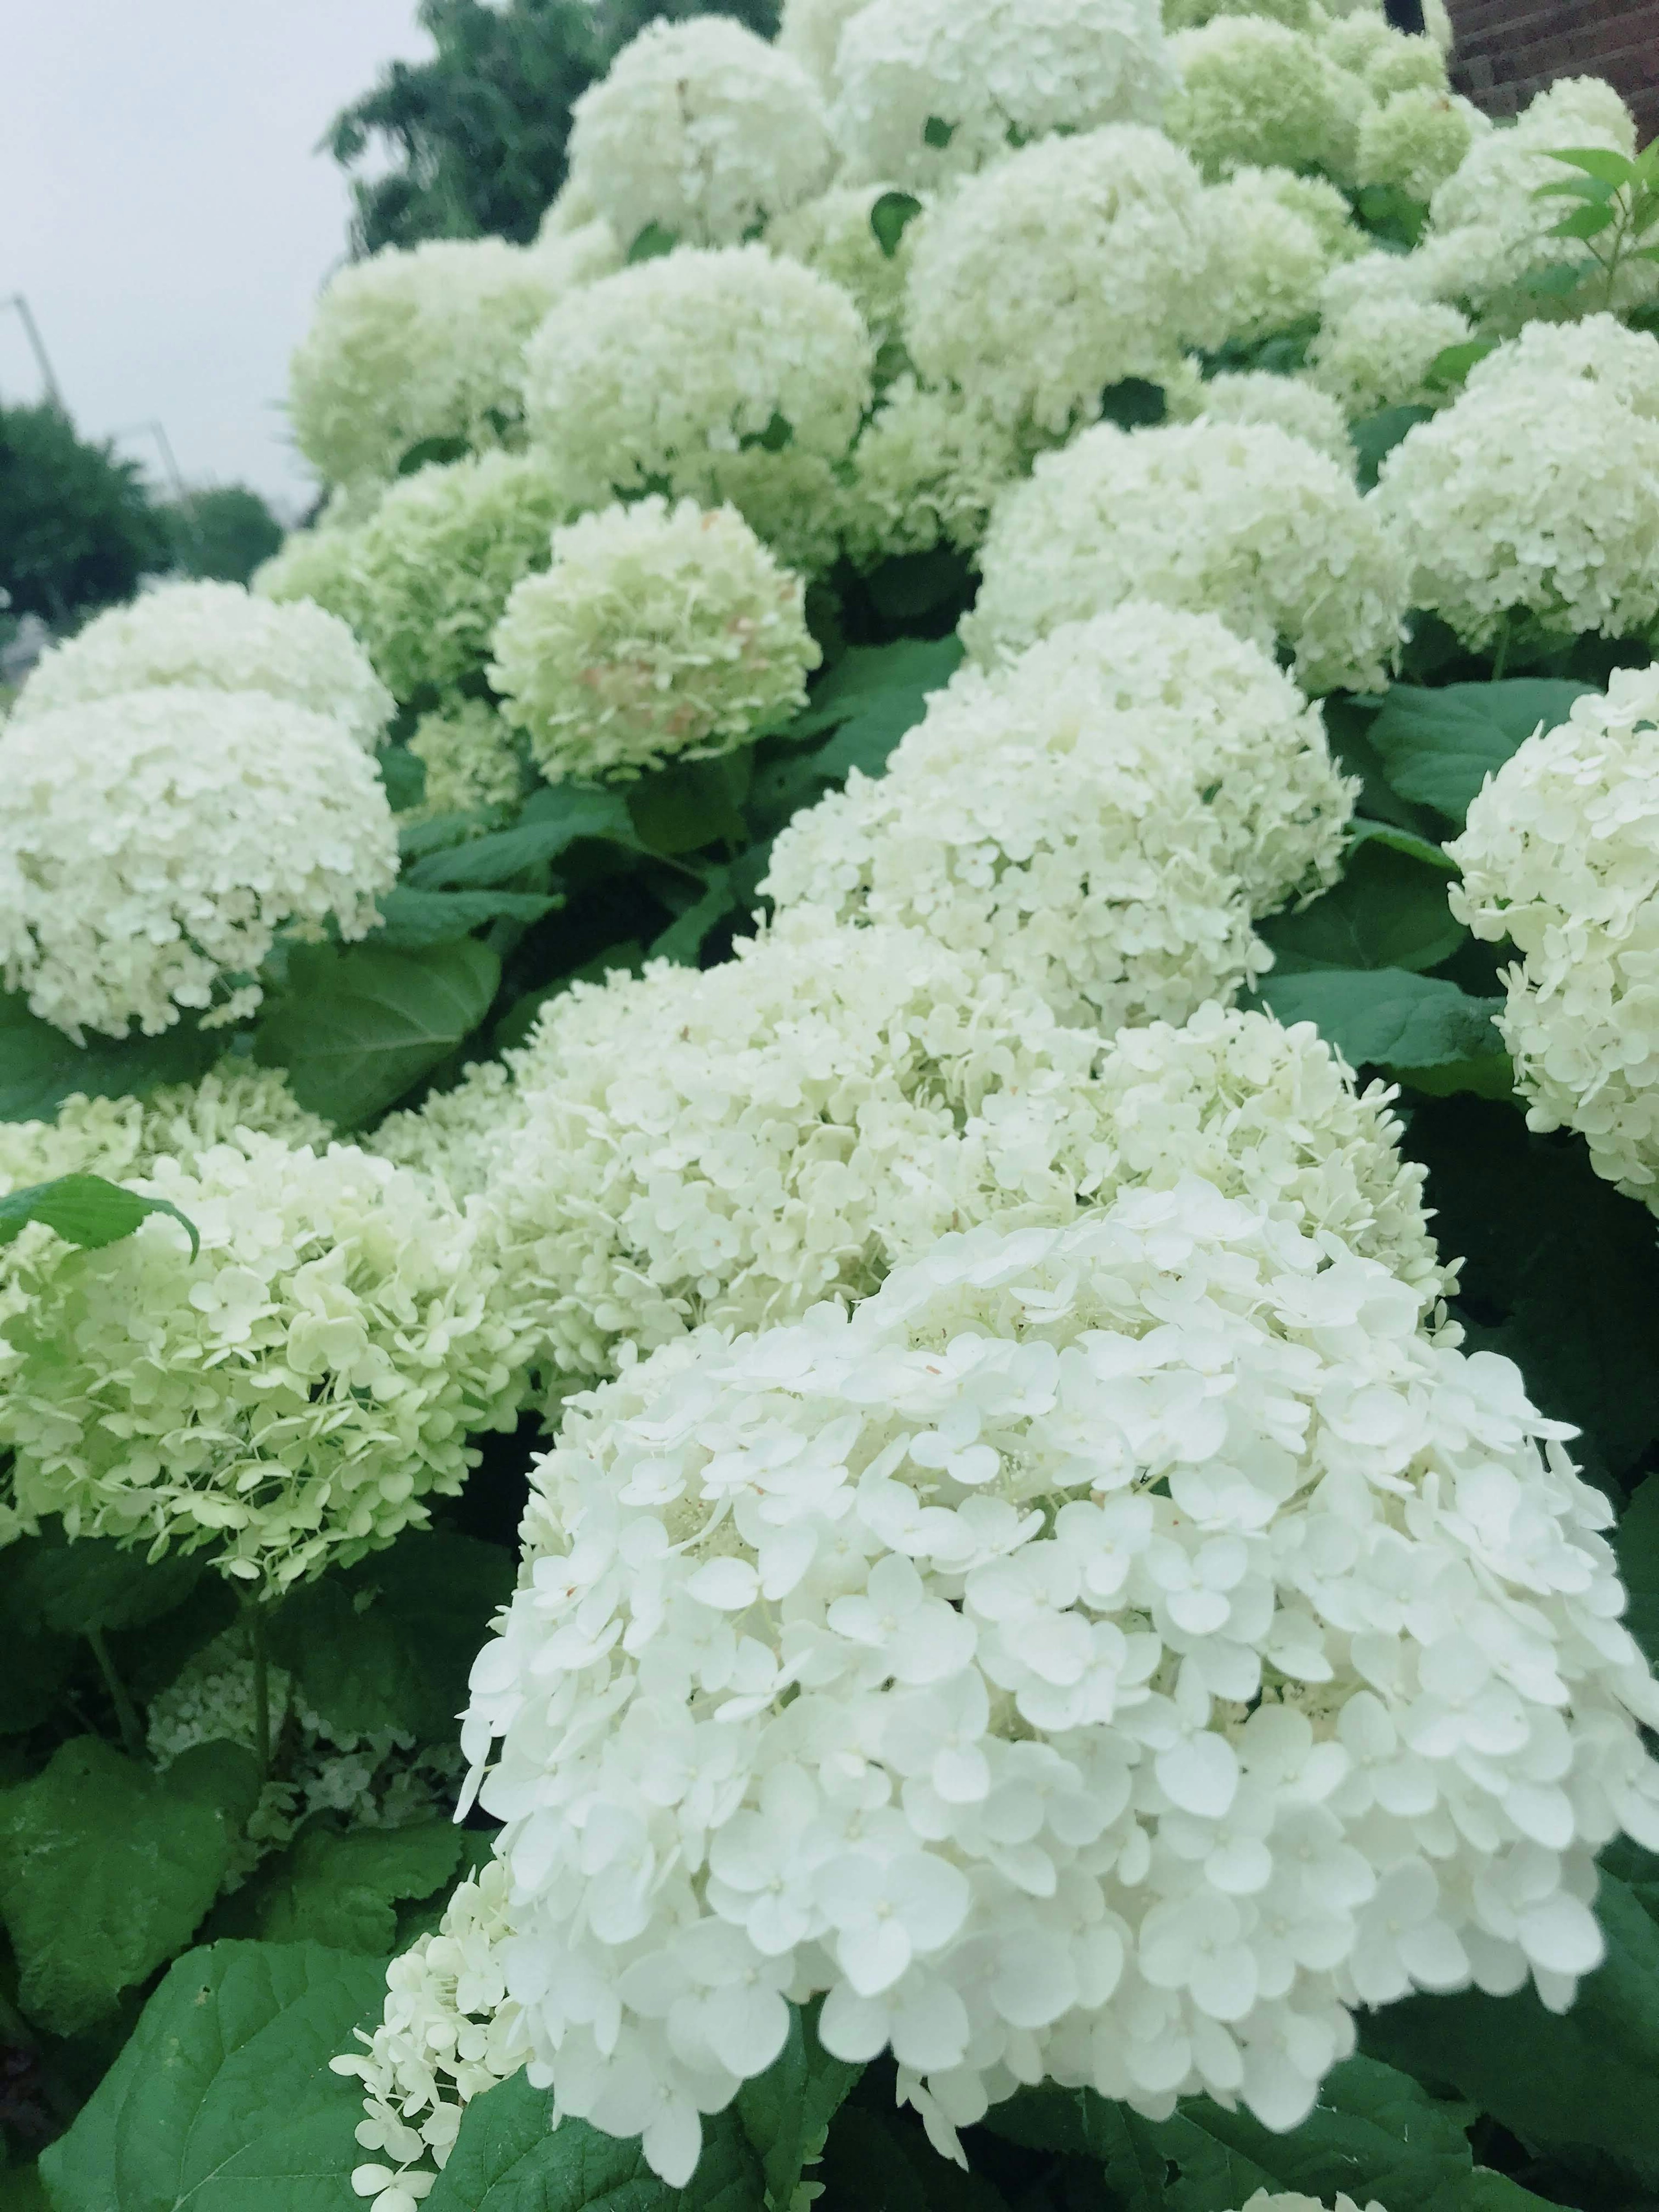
(290, 1397)
(471, 760)
(415, 345)
(215, 637)
(833, 234)
(926, 472)
(658, 634)
(119, 1138)
(440, 556)
(1252, 91)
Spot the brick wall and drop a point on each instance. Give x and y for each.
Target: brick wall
(1507, 50)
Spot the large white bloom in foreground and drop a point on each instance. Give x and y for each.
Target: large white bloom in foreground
(215, 637)
(930, 89)
(726, 375)
(152, 844)
(703, 128)
(1561, 857)
(659, 633)
(1103, 817)
(1069, 267)
(289, 1398)
(1533, 495)
(1109, 1655)
(1240, 520)
(412, 345)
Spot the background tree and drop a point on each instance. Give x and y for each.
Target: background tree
(78, 527)
(226, 534)
(475, 138)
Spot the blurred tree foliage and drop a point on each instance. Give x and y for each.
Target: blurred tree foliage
(78, 527)
(473, 140)
(225, 533)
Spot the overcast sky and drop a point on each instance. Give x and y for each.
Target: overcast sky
(165, 216)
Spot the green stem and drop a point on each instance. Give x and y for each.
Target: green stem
(260, 1652)
(126, 1713)
(1500, 658)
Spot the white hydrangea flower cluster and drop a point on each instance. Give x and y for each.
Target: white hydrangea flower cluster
(1238, 519)
(1374, 347)
(658, 634)
(1533, 496)
(453, 1137)
(411, 345)
(449, 2032)
(833, 235)
(1111, 1655)
(320, 565)
(811, 30)
(931, 90)
(1103, 242)
(1489, 232)
(729, 375)
(925, 472)
(1295, 15)
(1253, 92)
(1415, 139)
(1257, 395)
(579, 255)
(290, 1397)
(1598, 350)
(1318, 203)
(152, 844)
(1102, 818)
(1271, 258)
(1386, 61)
(875, 1091)
(702, 130)
(437, 561)
(215, 637)
(1288, 2201)
(1560, 856)
(470, 758)
(120, 1138)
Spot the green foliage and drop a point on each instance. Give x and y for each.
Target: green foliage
(106, 1870)
(787, 2112)
(1389, 911)
(83, 1209)
(355, 1029)
(78, 529)
(343, 1890)
(471, 143)
(1439, 747)
(224, 2100)
(1376, 436)
(387, 1643)
(224, 532)
(1616, 214)
(39, 1067)
(1421, 1030)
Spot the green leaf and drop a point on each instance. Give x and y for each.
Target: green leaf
(51, 1583)
(39, 1067)
(688, 805)
(440, 831)
(786, 2112)
(1557, 281)
(877, 2161)
(549, 824)
(413, 919)
(506, 2158)
(865, 739)
(1581, 2077)
(389, 1643)
(1421, 1029)
(433, 452)
(1439, 747)
(937, 132)
(357, 1028)
(85, 1210)
(776, 438)
(889, 218)
(1390, 910)
(403, 775)
(21, 2190)
(1374, 437)
(1453, 363)
(224, 2100)
(1134, 405)
(104, 1872)
(652, 243)
(342, 1890)
(1373, 2133)
(861, 675)
(1584, 223)
(1608, 167)
(683, 940)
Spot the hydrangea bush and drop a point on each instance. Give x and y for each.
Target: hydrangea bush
(827, 1267)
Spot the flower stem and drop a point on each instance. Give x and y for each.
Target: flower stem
(126, 1713)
